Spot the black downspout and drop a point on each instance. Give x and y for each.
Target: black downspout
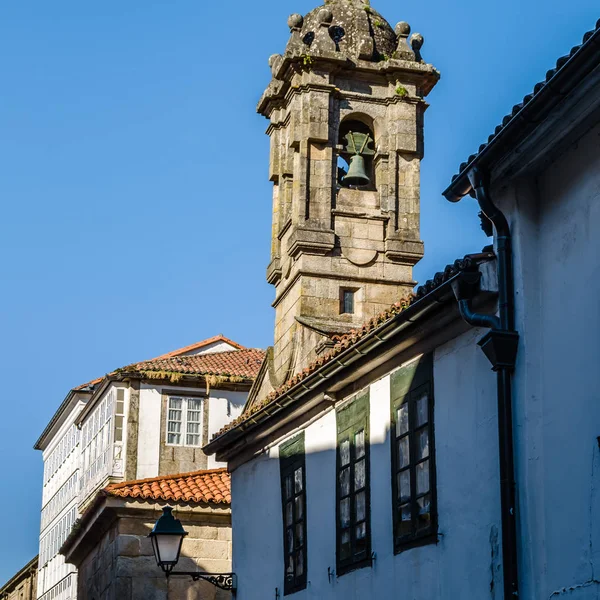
(500, 346)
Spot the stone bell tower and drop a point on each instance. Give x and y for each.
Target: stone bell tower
(346, 107)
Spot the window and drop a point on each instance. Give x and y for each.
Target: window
(353, 530)
(184, 421)
(347, 302)
(413, 467)
(293, 498)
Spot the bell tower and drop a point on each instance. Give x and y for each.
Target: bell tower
(345, 104)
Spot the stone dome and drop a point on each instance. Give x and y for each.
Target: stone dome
(351, 27)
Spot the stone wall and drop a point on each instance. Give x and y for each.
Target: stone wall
(117, 562)
(23, 586)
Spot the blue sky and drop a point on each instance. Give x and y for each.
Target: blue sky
(135, 200)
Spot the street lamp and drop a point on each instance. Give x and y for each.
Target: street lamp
(167, 539)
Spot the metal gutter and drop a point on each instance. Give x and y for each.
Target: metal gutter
(372, 340)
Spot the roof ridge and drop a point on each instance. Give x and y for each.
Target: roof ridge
(215, 338)
(121, 484)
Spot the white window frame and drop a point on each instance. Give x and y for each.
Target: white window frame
(183, 433)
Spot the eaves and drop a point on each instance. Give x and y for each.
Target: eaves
(313, 389)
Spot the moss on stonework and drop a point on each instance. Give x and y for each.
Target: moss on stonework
(401, 91)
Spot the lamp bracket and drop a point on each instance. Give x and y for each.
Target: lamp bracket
(224, 581)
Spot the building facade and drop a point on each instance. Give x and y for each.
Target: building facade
(404, 458)
(22, 586)
(145, 420)
(114, 556)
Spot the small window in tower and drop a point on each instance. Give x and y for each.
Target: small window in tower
(347, 302)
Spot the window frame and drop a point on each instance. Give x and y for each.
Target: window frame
(292, 457)
(407, 385)
(351, 418)
(184, 421)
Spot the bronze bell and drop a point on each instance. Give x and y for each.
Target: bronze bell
(356, 172)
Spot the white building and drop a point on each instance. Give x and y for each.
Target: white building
(145, 420)
(398, 464)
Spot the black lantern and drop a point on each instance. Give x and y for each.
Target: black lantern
(167, 537)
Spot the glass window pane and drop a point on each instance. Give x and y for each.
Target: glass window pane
(345, 512)
(174, 415)
(174, 402)
(361, 506)
(173, 438)
(423, 477)
(288, 487)
(404, 486)
(361, 531)
(359, 474)
(193, 440)
(403, 452)
(289, 571)
(402, 420)
(359, 443)
(345, 481)
(194, 415)
(422, 444)
(422, 410)
(193, 427)
(290, 540)
(299, 563)
(345, 452)
(299, 508)
(299, 535)
(404, 525)
(298, 480)
(194, 404)
(289, 514)
(424, 510)
(174, 427)
(345, 545)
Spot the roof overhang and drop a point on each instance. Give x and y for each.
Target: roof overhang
(434, 317)
(537, 130)
(105, 510)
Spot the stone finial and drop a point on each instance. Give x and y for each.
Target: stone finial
(325, 16)
(403, 50)
(275, 62)
(416, 41)
(323, 41)
(295, 22)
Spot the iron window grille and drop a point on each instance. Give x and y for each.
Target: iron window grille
(353, 526)
(413, 458)
(293, 497)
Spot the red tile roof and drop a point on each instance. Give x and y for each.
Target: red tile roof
(243, 364)
(211, 486)
(202, 344)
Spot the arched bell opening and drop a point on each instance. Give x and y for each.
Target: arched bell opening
(355, 157)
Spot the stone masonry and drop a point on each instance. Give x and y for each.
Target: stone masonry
(344, 69)
(115, 560)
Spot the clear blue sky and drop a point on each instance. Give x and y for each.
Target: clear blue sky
(135, 202)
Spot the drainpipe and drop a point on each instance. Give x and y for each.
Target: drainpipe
(500, 347)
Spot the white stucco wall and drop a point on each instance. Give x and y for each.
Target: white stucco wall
(148, 431)
(459, 566)
(555, 221)
(223, 407)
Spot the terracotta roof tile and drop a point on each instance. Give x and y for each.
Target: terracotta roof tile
(198, 345)
(243, 364)
(211, 486)
(344, 342)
